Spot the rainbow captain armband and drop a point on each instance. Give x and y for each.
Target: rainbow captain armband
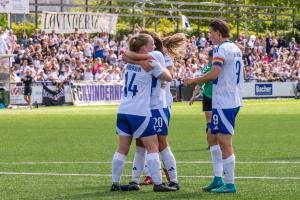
(218, 61)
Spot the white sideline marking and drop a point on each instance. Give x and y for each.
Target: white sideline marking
(109, 175)
(130, 162)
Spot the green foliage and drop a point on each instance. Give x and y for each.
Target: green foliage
(123, 29)
(3, 21)
(19, 29)
(289, 34)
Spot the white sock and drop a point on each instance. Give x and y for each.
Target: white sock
(216, 158)
(138, 163)
(118, 163)
(147, 172)
(169, 162)
(229, 165)
(153, 163)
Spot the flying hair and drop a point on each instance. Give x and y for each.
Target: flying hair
(175, 44)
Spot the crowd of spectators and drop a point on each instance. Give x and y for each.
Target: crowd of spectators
(79, 56)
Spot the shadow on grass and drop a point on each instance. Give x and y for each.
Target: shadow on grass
(144, 194)
(191, 150)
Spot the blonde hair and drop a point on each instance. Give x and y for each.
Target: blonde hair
(175, 44)
(137, 41)
(137, 29)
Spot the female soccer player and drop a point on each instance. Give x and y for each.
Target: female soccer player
(134, 115)
(227, 76)
(206, 93)
(161, 101)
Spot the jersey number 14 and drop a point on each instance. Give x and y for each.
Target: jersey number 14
(131, 87)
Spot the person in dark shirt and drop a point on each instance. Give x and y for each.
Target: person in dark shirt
(297, 89)
(99, 50)
(27, 80)
(281, 42)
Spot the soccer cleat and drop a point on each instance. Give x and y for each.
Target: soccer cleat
(227, 188)
(115, 187)
(174, 185)
(163, 188)
(132, 186)
(216, 183)
(148, 181)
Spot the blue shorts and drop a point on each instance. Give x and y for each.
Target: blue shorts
(135, 126)
(222, 120)
(161, 118)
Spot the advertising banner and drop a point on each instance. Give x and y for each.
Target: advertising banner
(96, 93)
(67, 22)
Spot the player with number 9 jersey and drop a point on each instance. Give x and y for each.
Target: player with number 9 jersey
(227, 91)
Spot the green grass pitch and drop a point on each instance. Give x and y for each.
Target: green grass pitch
(65, 153)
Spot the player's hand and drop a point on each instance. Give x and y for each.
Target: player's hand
(188, 81)
(191, 101)
(163, 84)
(147, 65)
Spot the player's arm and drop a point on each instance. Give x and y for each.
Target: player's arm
(196, 94)
(165, 76)
(146, 64)
(210, 76)
(138, 56)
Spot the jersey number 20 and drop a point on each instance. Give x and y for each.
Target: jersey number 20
(131, 87)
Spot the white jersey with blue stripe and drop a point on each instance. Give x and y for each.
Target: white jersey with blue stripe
(158, 94)
(227, 88)
(169, 63)
(136, 94)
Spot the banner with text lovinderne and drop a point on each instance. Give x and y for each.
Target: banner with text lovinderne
(67, 22)
(96, 93)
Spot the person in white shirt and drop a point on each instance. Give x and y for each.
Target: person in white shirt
(88, 74)
(134, 115)
(88, 49)
(227, 75)
(161, 101)
(3, 44)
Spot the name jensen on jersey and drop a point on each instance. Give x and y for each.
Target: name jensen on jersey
(135, 68)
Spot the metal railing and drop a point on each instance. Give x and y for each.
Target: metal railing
(199, 11)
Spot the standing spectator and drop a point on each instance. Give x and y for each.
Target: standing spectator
(24, 40)
(97, 66)
(36, 37)
(268, 43)
(27, 80)
(293, 46)
(3, 44)
(88, 49)
(99, 49)
(281, 42)
(297, 89)
(88, 73)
